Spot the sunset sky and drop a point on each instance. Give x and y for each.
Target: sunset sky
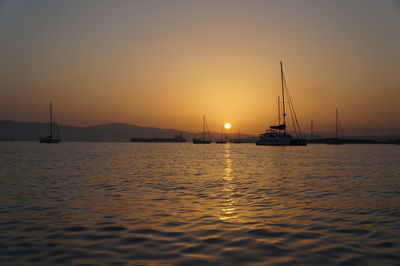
(166, 63)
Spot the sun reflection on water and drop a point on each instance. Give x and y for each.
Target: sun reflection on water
(228, 208)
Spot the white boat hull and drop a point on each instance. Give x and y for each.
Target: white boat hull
(274, 139)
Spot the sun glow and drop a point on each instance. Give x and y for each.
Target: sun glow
(227, 125)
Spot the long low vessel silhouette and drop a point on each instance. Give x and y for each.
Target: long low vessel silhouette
(177, 138)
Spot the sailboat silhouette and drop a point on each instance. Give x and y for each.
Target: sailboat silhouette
(278, 135)
(203, 139)
(51, 138)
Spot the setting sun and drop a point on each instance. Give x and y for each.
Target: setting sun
(227, 125)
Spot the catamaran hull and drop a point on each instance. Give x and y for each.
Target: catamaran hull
(273, 138)
(268, 143)
(293, 142)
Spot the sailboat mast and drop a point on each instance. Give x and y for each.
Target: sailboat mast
(51, 121)
(279, 112)
(204, 126)
(283, 99)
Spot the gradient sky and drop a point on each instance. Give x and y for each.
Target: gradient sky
(165, 63)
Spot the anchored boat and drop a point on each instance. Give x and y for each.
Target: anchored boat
(223, 137)
(203, 140)
(53, 128)
(278, 135)
(336, 140)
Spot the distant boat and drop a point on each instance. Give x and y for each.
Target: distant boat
(238, 140)
(336, 140)
(53, 128)
(203, 140)
(223, 138)
(176, 138)
(277, 135)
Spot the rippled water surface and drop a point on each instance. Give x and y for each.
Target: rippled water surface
(185, 204)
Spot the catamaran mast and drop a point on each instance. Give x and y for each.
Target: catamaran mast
(204, 126)
(283, 100)
(279, 112)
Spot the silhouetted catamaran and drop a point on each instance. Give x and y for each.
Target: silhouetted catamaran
(203, 139)
(50, 138)
(277, 135)
(336, 140)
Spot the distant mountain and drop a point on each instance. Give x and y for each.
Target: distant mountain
(30, 131)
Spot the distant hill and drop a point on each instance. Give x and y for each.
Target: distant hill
(30, 131)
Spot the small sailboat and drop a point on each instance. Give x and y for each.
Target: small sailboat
(53, 128)
(336, 140)
(203, 139)
(239, 139)
(278, 135)
(223, 138)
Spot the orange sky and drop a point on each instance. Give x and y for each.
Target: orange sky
(165, 63)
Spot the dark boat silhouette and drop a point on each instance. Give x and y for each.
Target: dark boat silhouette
(223, 138)
(277, 135)
(51, 138)
(336, 140)
(238, 140)
(203, 139)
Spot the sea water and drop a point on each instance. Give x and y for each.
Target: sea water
(184, 204)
